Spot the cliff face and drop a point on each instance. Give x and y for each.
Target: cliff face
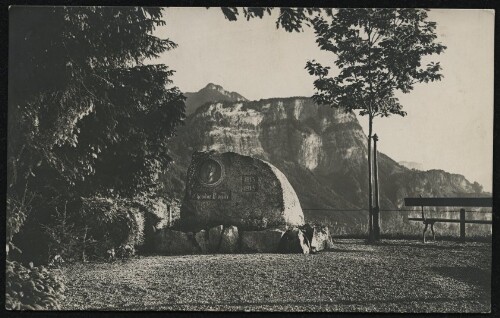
(322, 151)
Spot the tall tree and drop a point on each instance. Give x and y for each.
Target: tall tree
(378, 52)
(87, 116)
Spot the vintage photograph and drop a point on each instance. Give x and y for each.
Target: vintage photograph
(249, 159)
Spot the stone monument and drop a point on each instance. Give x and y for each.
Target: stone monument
(234, 190)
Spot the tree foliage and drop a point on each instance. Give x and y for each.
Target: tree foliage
(87, 116)
(82, 100)
(290, 19)
(33, 287)
(378, 52)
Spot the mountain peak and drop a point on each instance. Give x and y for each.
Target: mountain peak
(210, 93)
(213, 86)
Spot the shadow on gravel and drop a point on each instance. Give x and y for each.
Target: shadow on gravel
(404, 301)
(430, 245)
(339, 250)
(469, 275)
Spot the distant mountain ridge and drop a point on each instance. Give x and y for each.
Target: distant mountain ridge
(210, 93)
(321, 150)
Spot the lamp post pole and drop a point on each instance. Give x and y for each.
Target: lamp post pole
(376, 209)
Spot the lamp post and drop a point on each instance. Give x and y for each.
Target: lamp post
(376, 209)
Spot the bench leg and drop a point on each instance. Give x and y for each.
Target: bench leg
(433, 234)
(425, 230)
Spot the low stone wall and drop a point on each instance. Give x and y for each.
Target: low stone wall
(230, 239)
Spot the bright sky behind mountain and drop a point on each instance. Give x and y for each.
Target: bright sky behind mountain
(449, 124)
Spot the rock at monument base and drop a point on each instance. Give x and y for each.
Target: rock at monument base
(266, 241)
(308, 231)
(294, 241)
(172, 242)
(214, 238)
(229, 240)
(201, 238)
(321, 239)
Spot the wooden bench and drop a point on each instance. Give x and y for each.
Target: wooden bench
(449, 202)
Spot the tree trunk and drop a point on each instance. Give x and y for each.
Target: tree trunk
(370, 126)
(84, 257)
(376, 208)
(370, 195)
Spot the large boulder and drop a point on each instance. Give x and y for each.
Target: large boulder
(266, 241)
(172, 242)
(232, 189)
(294, 241)
(229, 240)
(214, 238)
(201, 238)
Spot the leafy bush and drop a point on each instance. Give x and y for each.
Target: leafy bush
(64, 235)
(94, 226)
(112, 223)
(18, 209)
(34, 288)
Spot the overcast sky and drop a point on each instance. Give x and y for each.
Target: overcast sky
(449, 124)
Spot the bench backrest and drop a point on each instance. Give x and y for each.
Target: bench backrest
(451, 202)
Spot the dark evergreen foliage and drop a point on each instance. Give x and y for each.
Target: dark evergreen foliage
(89, 117)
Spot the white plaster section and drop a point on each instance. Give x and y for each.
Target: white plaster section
(266, 106)
(343, 117)
(280, 110)
(240, 133)
(349, 151)
(297, 110)
(310, 151)
(236, 115)
(325, 123)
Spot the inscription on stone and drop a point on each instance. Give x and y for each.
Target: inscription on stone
(250, 183)
(211, 195)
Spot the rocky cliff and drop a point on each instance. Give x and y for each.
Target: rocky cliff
(321, 150)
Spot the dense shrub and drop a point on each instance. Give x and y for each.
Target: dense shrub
(99, 225)
(63, 235)
(34, 288)
(17, 211)
(112, 223)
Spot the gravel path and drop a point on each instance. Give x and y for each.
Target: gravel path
(394, 276)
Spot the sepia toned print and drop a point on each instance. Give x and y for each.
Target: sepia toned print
(249, 159)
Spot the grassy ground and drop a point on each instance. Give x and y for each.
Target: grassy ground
(394, 276)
